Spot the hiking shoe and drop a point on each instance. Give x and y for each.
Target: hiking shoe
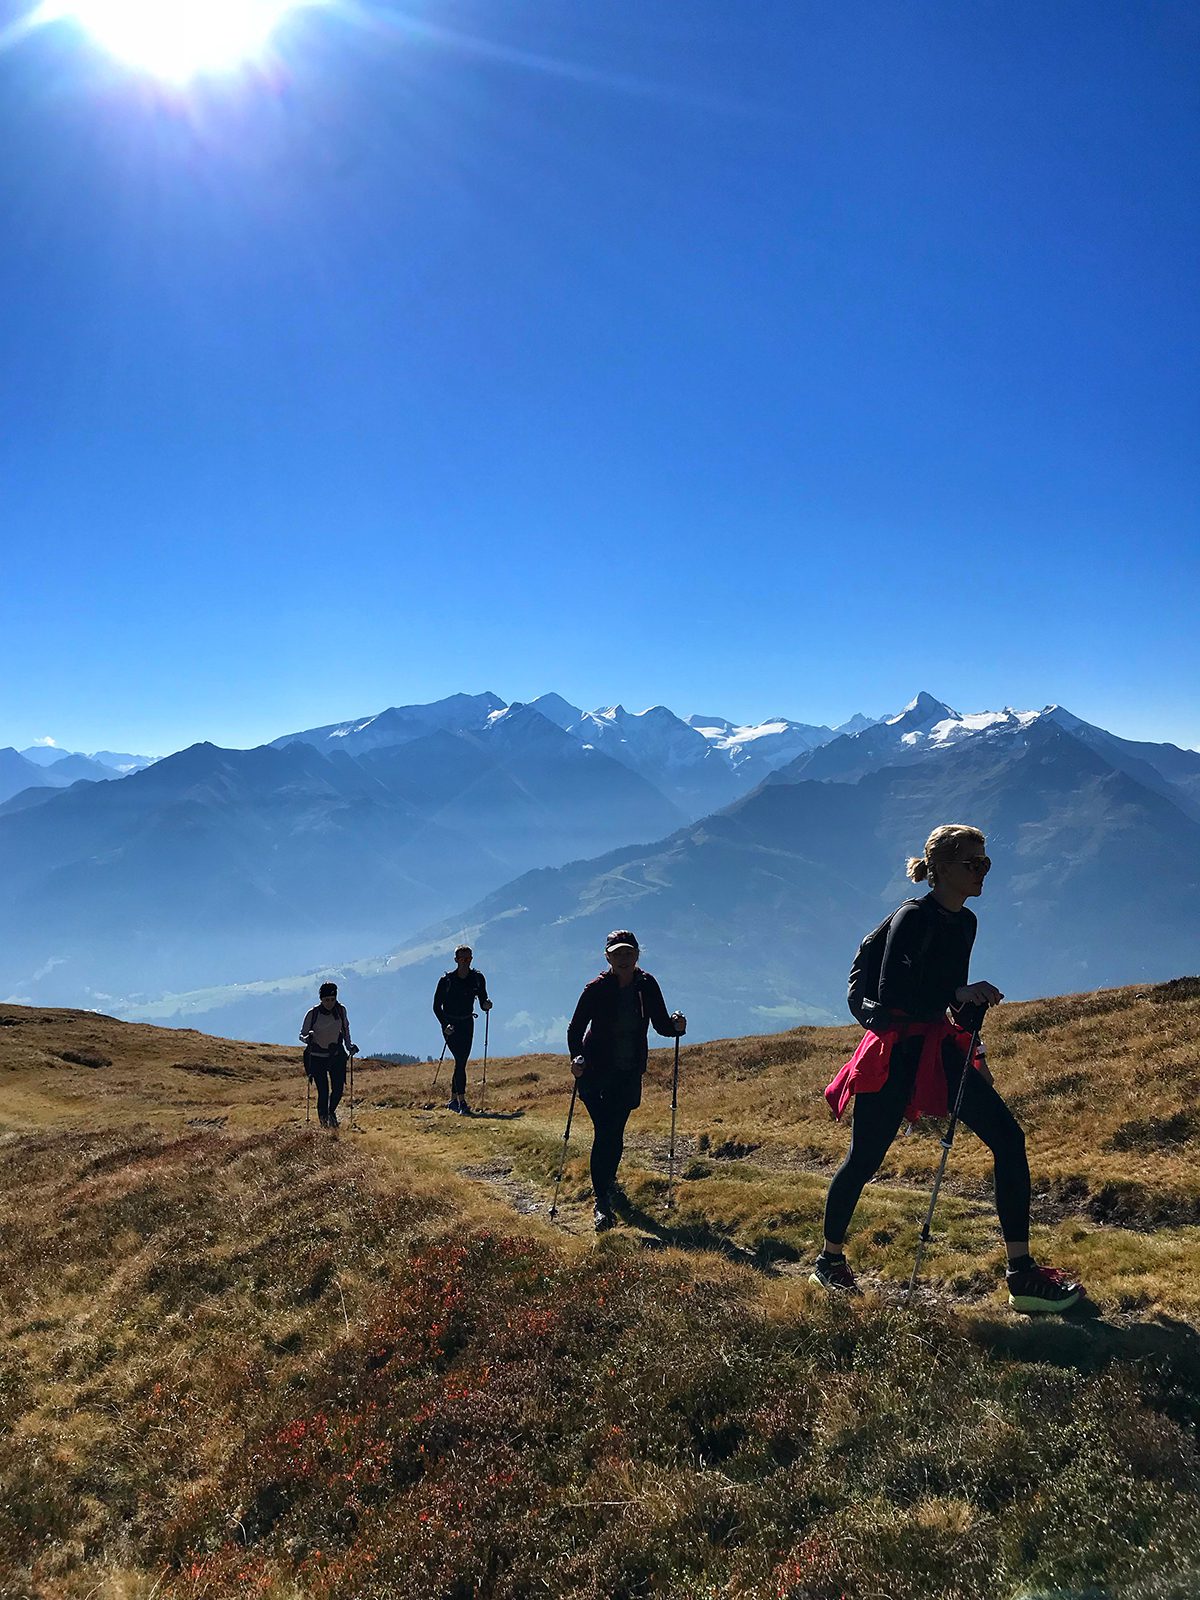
(464, 1109)
(331, 1120)
(1044, 1289)
(833, 1272)
(451, 1105)
(603, 1220)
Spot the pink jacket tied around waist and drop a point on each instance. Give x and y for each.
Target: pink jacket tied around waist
(866, 1072)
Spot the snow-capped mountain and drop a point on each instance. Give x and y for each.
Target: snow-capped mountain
(656, 736)
(352, 837)
(857, 723)
(457, 713)
(676, 758)
(696, 763)
(928, 727)
(757, 749)
(752, 915)
(559, 711)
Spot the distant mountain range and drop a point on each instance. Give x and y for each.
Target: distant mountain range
(750, 914)
(212, 865)
(47, 767)
(697, 764)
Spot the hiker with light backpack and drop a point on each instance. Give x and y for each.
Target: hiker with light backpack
(327, 1048)
(607, 1041)
(910, 989)
(454, 1007)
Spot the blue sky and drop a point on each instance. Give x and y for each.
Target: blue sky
(749, 357)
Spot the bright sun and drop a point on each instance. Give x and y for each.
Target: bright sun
(180, 39)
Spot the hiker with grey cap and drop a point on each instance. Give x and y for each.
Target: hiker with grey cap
(607, 1042)
(327, 1048)
(454, 1007)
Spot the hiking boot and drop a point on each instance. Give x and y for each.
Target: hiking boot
(331, 1120)
(833, 1272)
(464, 1109)
(603, 1219)
(1043, 1289)
(451, 1105)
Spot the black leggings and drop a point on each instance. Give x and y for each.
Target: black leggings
(609, 1114)
(460, 1042)
(877, 1119)
(329, 1075)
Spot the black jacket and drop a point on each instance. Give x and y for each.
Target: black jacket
(591, 1030)
(926, 959)
(454, 998)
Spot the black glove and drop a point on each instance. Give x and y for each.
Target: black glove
(971, 1014)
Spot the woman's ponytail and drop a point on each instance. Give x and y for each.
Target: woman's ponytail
(941, 846)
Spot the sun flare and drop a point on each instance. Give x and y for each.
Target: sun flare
(180, 39)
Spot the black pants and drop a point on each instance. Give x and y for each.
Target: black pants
(609, 1108)
(877, 1119)
(328, 1073)
(460, 1042)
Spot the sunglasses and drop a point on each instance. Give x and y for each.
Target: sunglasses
(976, 864)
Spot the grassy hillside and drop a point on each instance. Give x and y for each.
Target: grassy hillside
(239, 1357)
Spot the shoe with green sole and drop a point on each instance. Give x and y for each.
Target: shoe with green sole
(1042, 1290)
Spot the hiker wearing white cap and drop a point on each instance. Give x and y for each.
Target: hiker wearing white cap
(607, 1042)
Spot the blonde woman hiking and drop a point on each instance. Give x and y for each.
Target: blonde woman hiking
(910, 987)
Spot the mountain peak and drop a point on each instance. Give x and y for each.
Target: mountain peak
(924, 707)
(556, 709)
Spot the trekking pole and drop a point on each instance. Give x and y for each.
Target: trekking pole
(947, 1141)
(562, 1163)
(438, 1068)
(353, 1053)
(487, 1017)
(674, 1109)
(307, 1099)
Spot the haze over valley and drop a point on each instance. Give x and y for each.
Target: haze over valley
(213, 887)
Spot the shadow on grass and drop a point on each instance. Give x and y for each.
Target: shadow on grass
(474, 1115)
(664, 1231)
(1163, 1348)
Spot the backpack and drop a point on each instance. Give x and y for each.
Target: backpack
(339, 1011)
(862, 989)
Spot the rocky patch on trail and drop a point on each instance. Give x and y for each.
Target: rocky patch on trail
(515, 1192)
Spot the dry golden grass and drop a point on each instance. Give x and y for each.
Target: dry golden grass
(1105, 1084)
(239, 1357)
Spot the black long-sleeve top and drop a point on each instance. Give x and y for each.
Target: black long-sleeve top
(592, 1032)
(926, 959)
(455, 997)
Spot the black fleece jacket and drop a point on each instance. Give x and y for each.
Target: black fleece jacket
(454, 998)
(926, 959)
(592, 1028)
